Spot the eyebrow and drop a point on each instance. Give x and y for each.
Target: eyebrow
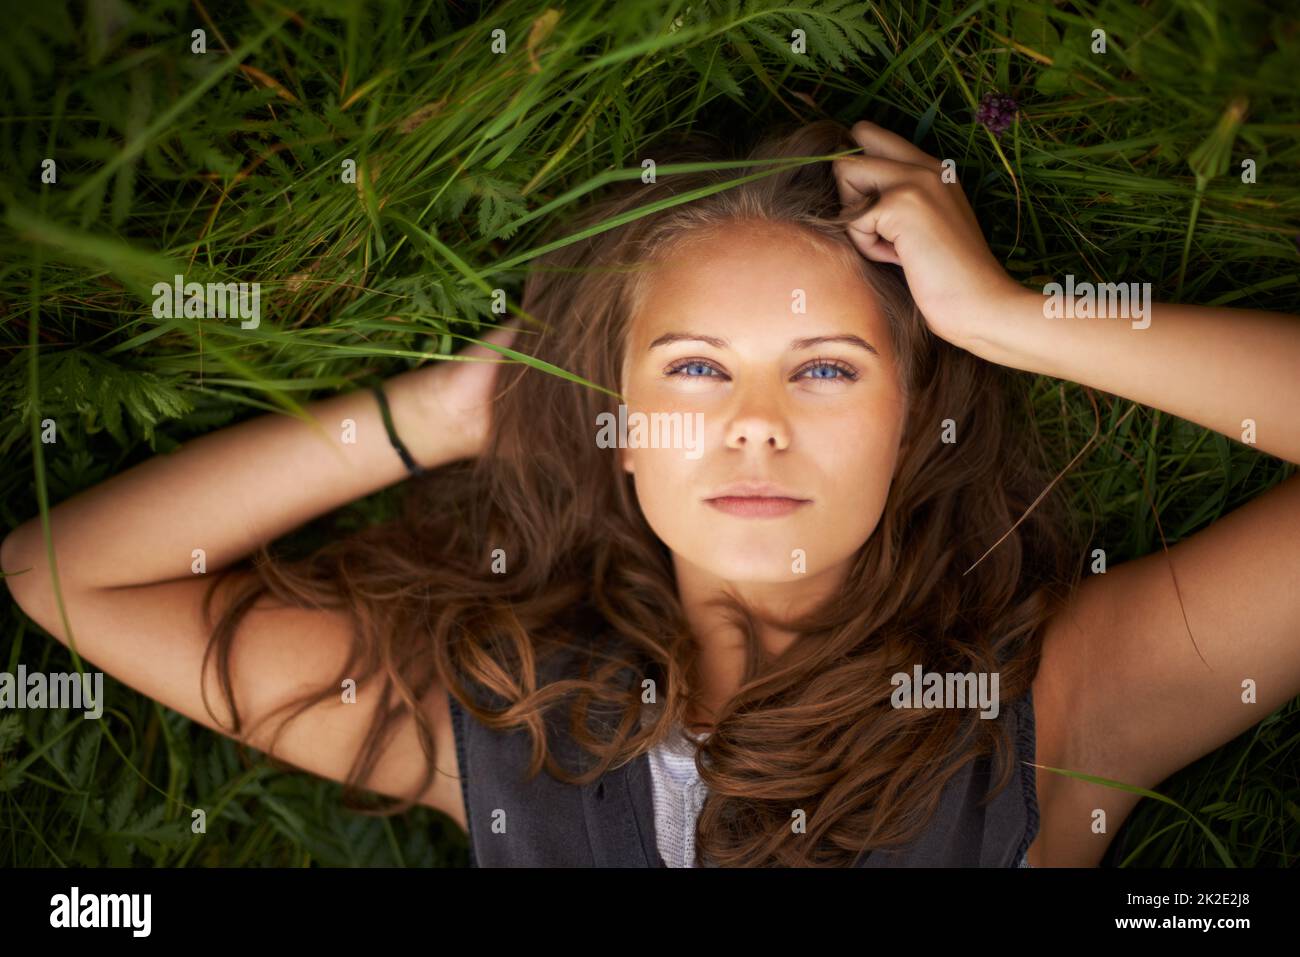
(670, 337)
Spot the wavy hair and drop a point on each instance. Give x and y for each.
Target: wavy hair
(813, 728)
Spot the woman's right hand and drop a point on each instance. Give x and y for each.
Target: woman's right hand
(460, 392)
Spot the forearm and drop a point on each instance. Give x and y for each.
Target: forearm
(1213, 366)
(231, 490)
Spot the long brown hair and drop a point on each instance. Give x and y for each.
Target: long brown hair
(813, 729)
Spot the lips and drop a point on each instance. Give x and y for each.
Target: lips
(752, 489)
(756, 500)
(753, 506)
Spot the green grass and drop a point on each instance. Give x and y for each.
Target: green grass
(227, 166)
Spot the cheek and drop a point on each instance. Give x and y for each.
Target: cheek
(664, 480)
(862, 457)
(856, 459)
(665, 475)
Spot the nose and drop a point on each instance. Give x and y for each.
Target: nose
(758, 424)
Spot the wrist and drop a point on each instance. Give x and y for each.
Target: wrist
(1012, 330)
(420, 421)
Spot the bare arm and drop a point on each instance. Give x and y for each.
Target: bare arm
(123, 554)
(231, 490)
(1216, 367)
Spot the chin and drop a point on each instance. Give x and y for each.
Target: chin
(768, 564)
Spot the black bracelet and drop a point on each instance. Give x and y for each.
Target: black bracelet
(412, 466)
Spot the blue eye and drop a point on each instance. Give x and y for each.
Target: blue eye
(846, 371)
(697, 363)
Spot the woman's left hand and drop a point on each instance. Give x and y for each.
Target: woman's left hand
(927, 227)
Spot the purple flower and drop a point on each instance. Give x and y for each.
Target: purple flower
(997, 112)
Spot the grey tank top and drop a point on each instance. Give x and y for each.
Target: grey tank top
(610, 822)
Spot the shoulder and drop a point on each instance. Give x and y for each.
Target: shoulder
(1066, 739)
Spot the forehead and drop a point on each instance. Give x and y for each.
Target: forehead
(752, 280)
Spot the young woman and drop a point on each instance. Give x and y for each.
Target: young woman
(701, 650)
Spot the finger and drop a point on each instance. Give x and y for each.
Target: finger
(884, 219)
(478, 348)
(503, 335)
(878, 141)
(872, 246)
(860, 176)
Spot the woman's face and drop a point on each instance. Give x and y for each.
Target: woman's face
(819, 420)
